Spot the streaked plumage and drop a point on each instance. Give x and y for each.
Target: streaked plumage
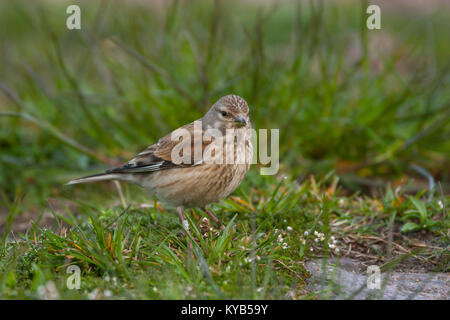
(197, 183)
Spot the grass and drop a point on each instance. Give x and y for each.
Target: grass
(364, 143)
(260, 254)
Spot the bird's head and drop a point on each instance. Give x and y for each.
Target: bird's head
(229, 112)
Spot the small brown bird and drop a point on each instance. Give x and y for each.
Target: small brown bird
(209, 169)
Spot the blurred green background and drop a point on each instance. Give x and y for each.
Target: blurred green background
(371, 105)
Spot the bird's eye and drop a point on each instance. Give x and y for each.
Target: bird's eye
(224, 113)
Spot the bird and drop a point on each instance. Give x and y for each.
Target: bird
(206, 174)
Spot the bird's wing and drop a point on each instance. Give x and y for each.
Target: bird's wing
(158, 156)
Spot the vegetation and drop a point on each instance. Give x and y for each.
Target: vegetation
(364, 144)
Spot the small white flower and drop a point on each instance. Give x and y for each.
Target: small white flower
(316, 240)
(332, 239)
(260, 289)
(332, 246)
(306, 233)
(285, 245)
(341, 202)
(316, 233)
(289, 229)
(303, 241)
(155, 289)
(107, 293)
(311, 249)
(440, 204)
(280, 239)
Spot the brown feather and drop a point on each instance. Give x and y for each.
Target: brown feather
(192, 184)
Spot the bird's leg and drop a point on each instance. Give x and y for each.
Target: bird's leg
(185, 225)
(215, 219)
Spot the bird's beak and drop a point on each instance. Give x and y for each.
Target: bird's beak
(240, 121)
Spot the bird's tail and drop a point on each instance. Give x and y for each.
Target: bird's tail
(96, 177)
